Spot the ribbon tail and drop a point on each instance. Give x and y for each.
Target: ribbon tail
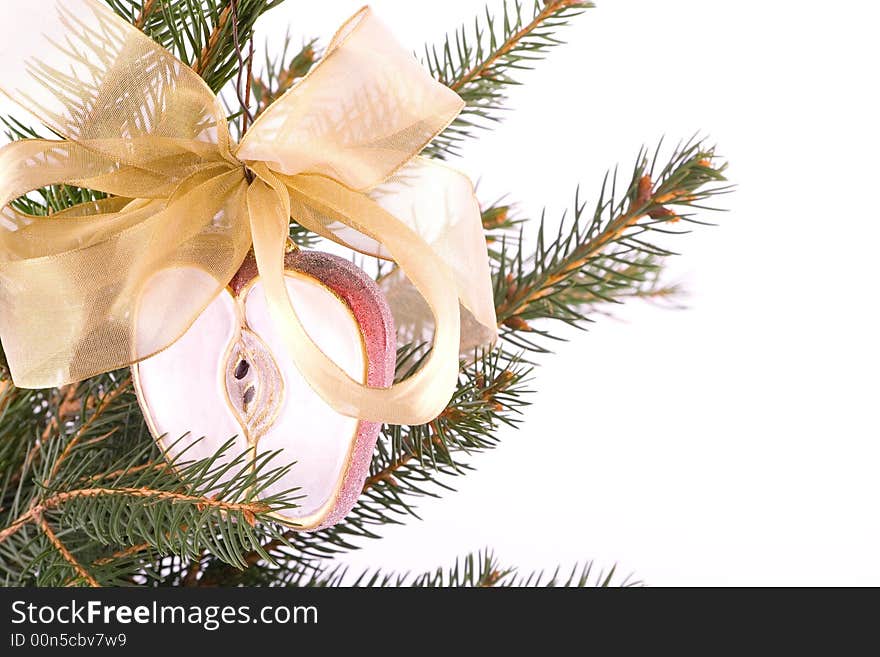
(439, 204)
(84, 293)
(419, 398)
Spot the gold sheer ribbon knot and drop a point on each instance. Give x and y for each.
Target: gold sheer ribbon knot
(103, 284)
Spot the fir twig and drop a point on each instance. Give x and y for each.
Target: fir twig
(209, 50)
(123, 554)
(144, 14)
(120, 492)
(65, 553)
(607, 257)
(488, 66)
(251, 509)
(481, 63)
(199, 32)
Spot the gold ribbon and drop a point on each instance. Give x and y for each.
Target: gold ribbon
(337, 153)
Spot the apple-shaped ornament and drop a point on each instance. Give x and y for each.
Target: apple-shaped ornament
(230, 376)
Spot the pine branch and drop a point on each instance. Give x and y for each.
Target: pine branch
(199, 32)
(212, 42)
(248, 510)
(161, 515)
(64, 552)
(479, 570)
(281, 72)
(498, 217)
(606, 258)
(481, 63)
(144, 15)
(101, 485)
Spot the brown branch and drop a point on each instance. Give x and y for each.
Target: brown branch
(16, 525)
(249, 84)
(144, 15)
(658, 293)
(161, 466)
(487, 395)
(509, 309)
(62, 549)
(244, 100)
(482, 69)
(386, 474)
(490, 579)
(645, 204)
(129, 551)
(7, 393)
(101, 438)
(201, 63)
(66, 408)
(60, 498)
(121, 554)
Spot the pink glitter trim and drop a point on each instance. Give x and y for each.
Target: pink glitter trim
(370, 309)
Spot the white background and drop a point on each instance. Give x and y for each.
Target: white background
(735, 442)
(732, 443)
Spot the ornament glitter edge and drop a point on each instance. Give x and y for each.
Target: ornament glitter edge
(365, 301)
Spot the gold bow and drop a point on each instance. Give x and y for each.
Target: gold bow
(79, 291)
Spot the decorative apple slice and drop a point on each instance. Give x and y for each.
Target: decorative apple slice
(230, 376)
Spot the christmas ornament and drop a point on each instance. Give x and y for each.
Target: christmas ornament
(230, 376)
(110, 283)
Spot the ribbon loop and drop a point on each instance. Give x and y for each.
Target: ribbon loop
(362, 112)
(97, 80)
(109, 282)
